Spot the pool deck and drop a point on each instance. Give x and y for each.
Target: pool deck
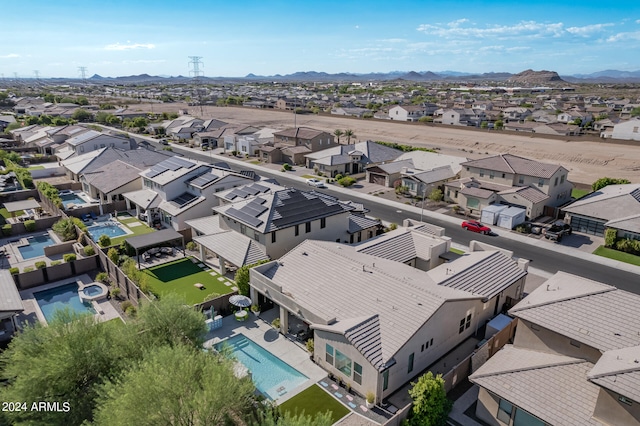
(263, 334)
(32, 313)
(14, 257)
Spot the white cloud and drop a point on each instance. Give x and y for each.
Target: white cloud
(523, 28)
(588, 30)
(624, 36)
(129, 46)
(145, 61)
(393, 40)
(9, 56)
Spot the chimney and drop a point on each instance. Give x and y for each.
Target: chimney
(523, 264)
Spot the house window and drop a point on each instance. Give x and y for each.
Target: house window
(343, 363)
(461, 328)
(521, 180)
(273, 237)
(540, 182)
(385, 380)
(635, 129)
(481, 173)
(307, 227)
(359, 237)
(431, 342)
(522, 418)
(505, 408)
(562, 179)
(256, 236)
(574, 343)
(370, 234)
(329, 354)
(624, 400)
(296, 230)
(422, 348)
(323, 222)
(504, 175)
(555, 182)
(357, 373)
(491, 175)
(410, 366)
(243, 229)
(468, 324)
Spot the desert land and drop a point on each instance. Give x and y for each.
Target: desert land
(586, 159)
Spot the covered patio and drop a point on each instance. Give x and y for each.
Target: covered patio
(29, 207)
(233, 250)
(10, 305)
(158, 239)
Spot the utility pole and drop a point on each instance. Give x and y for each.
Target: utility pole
(196, 73)
(83, 74)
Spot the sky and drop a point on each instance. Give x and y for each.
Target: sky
(267, 37)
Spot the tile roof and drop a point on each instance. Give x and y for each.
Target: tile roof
(619, 371)
(377, 286)
(551, 387)
(359, 222)
(529, 193)
(392, 167)
(10, 300)
(371, 151)
(299, 132)
(477, 192)
(431, 176)
(233, 247)
(609, 203)
(112, 176)
(587, 311)
(400, 245)
(508, 163)
(206, 225)
(486, 273)
(423, 160)
(629, 223)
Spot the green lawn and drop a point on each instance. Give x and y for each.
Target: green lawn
(579, 193)
(4, 213)
(179, 277)
(35, 168)
(313, 401)
(255, 162)
(617, 255)
(453, 250)
(137, 230)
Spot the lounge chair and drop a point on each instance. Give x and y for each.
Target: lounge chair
(146, 257)
(93, 216)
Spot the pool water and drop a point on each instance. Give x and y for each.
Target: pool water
(272, 376)
(111, 230)
(64, 296)
(71, 198)
(36, 246)
(92, 290)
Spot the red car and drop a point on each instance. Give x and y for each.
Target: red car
(472, 225)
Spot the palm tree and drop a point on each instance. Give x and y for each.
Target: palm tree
(337, 134)
(349, 134)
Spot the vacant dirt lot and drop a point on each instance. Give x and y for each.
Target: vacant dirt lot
(586, 160)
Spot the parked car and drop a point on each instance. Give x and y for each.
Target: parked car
(317, 183)
(472, 225)
(557, 231)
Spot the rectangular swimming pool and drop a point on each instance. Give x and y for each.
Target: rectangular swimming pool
(71, 199)
(36, 246)
(272, 376)
(61, 297)
(112, 230)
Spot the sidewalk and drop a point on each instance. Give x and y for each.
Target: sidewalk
(351, 194)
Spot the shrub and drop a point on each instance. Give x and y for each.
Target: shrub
(66, 229)
(275, 323)
(402, 189)
(113, 255)
(131, 311)
(69, 257)
(338, 176)
(610, 237)
(346, 181)
(56, 262)
(286, 166)
(436, 195)
(104, 240)
(192, 246)
(115, 292)
(30, 225)
(89, 250)
(14, 271)
(28, 269)
(125, 305)
(255, 308)
(41, 264)
(6, 229)
(371, 397)
(102, 277)
(309, 345)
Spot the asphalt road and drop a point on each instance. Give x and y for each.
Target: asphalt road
(543, 259)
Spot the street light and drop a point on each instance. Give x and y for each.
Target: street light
(424, 193)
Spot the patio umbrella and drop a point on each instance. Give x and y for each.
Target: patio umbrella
(239, 300)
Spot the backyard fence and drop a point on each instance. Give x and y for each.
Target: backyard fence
(52, 273)
(220, 304)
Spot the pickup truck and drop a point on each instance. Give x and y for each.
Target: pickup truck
(557, 231)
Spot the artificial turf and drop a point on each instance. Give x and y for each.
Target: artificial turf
(179, 276)
(314, 401)
(137, 230)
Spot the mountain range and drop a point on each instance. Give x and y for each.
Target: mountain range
(525, 77)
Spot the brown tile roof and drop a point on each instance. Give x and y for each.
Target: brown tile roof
(299, 132)
(509, 163)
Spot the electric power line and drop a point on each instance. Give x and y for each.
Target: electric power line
(196, 73)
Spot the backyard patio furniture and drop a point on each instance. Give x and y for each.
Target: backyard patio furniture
(146, 257)
(199, 285)
(93, 216)
(241, 315)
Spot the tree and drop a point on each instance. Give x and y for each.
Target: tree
(349, 134)
(104, 240)
(484, 125)
(272, 418)
(430, 404)
(605, 181)
(242, 277)
(499, 124)
(82, 115)
(635, 112)
(436, 195)
(66, 229)
(338, 133)
(177, 385)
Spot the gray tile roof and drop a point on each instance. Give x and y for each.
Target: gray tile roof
(629, 223)
(377, 286)
(609, 203)
(10, 300)
(299, 132)
(206, 225)
(112, 176)
(141, 158)
(358, 222)
(432, 176)
(508, 163)
(486, 273)
(370, 151)
(476, 192)
(233, 247)
(619, 371)
(583, 310)
(529, 193)
(423, 160)
(400, 245)
(551, 387)
(393, 167)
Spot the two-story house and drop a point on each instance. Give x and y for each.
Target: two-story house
(575, 359)
(266, 221)
(407, 112)
(511, 180)
(350, 159)
(92, 140)
(291, 145)
(176, 190)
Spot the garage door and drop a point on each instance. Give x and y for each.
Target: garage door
(377, 179)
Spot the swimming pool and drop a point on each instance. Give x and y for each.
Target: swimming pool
(272, 376)
(71, 199)
(61, 297)
(36, 246)
(112, 230)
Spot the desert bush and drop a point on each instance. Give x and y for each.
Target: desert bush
(104, 240)
(14, 270)
(69, 257)
(89, 250)
(41, 264)
(30, 225)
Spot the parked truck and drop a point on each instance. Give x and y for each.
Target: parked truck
(558, 230)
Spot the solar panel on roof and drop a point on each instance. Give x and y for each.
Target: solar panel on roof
(237, 214)
(204, 179)
(182, 162)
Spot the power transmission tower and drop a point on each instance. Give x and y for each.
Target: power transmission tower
(196, 73)
(83, 74)
(37, 74)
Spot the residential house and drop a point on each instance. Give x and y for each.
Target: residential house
(10, 305)
(503, 175)
(176, 190)
(614, 206)
(573, 361)
(92, 140)
(271, 221)
(291, 145)
(461, 117)
(183, 127)
(407, 112)
(57, 136)
(5, 120)
(350, 159)
(516, 114)
(575, 117)
(627, 130)
(351, 112)
(378, 323)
